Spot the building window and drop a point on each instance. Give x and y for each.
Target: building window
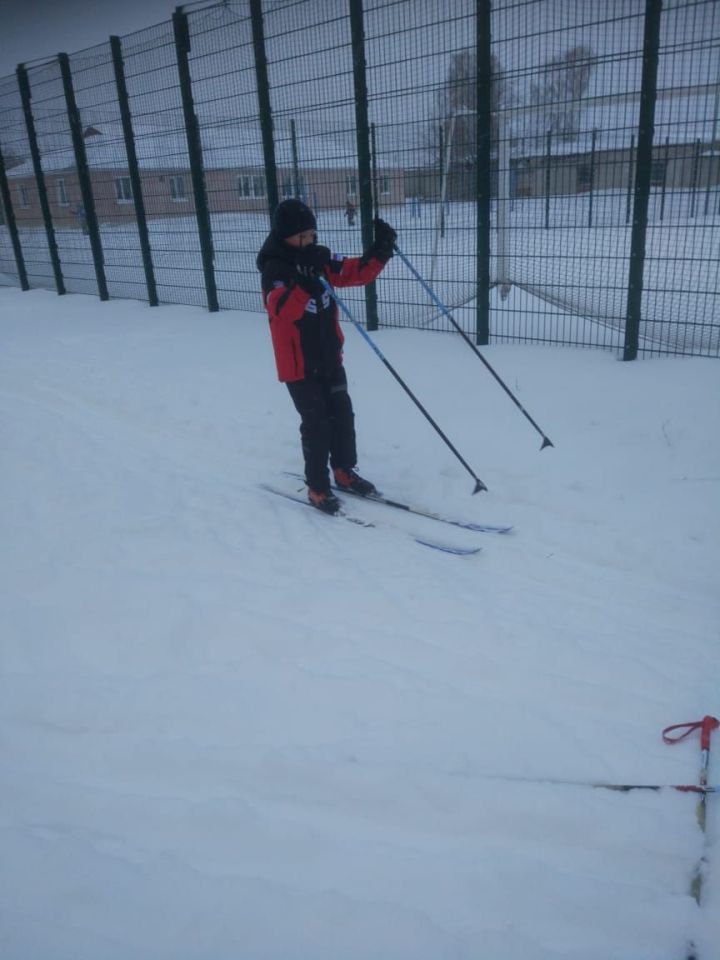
(384, 185)
(351, 186)
(62, 197)
(658, 172)
(251, 186)
(584, 176)
(24, 195)
(177, 188)
(293, 188)
(123, 189)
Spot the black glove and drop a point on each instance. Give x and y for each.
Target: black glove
(383, 245)
(310, 262)
(384, 233)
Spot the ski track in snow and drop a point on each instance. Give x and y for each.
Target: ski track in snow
(234, 727)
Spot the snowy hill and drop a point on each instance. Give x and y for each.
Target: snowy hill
(233, 727)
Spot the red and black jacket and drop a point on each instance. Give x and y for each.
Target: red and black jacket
(305, 330)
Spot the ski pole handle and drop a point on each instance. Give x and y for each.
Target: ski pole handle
(708, 725)
(705, 726)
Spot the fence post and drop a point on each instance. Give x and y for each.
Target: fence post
(376, 187)
(197, 170)
(357, 33)
(631, 179)
(708, 178)
(78, 142)
(695, 178)
(483, 180)
(664, 177)
(133, 169)
(264, 108)
(26, 97)
(441, 171)
(548, 162)
(592, 177)
(646, 129)
(12, 226)
(296, 165)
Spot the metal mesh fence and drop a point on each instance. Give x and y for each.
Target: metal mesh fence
(315, 119)
(425, 148)
(96, 97)
(225, 96)
(150, 67)
(161, 154)
(567, 111)
(682, 267)
(23, 193)
(567, 156)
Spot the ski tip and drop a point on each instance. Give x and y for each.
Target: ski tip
(547, 442)
(479, 485)
(448, 548)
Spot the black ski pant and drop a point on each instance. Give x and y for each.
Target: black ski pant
(327, 425)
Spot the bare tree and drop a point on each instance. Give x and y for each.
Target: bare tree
(557, 91)
(456, 114)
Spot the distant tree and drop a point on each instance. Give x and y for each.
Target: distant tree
(557, 91)
(456, 114)
(12, 159)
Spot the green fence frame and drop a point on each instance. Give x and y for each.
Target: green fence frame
(488, 205)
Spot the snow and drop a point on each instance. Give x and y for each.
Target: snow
(572, 267)
(233, 727)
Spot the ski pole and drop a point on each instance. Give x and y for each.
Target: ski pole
(479, 485)
(604, 784)
(546, 440)
(706, 727)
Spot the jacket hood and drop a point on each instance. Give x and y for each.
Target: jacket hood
(274, 249)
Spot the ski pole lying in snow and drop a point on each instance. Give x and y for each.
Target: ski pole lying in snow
(479, 485)
(441, 306)
(604, 785)
(706, 727)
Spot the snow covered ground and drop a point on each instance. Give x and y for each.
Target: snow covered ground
(571, 266)
(233, 727)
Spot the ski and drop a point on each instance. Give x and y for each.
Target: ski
(423, 541)
(419, 511)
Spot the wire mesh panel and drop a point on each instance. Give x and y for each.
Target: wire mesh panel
(225, 95)
(568, 78)
(96, 96)
(310, 69)
(152, 81)
(681, 296)
(572, 160)
(50, 114)
(23, 195)
(422, 92)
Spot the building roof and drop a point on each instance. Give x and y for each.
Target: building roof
(678, 119)
(226, 144)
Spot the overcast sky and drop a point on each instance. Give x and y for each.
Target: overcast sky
(36, 29)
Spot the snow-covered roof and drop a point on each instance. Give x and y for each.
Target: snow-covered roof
(678, 119)
(227, 144)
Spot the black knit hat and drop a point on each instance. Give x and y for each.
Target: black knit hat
(291, 217)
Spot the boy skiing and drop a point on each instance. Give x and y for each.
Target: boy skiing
(307, 340)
